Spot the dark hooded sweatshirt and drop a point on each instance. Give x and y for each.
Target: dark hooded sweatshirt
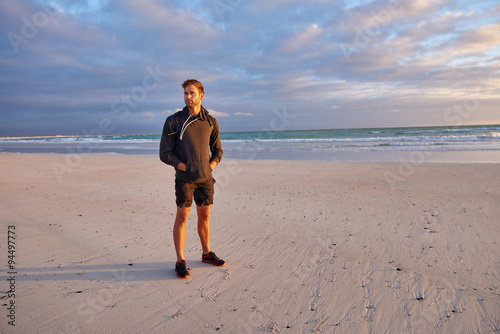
(192, 140)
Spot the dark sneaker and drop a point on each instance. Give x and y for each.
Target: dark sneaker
(213, 259)
(180, 269)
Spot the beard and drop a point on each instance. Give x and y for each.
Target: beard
(192, 103)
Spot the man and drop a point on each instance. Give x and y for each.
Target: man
(188, 136)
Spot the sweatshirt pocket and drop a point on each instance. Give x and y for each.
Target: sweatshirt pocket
(198, 170)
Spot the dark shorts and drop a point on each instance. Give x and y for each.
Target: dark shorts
(203, 193)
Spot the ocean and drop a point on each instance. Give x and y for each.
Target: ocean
(443, 143)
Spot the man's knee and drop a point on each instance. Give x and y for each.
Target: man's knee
(203, 212)
(204, 216)
(182, 216)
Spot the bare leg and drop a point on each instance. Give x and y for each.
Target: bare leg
(204, 227)
(180, 231)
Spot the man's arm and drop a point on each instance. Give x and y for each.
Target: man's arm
(215, 146)
(167, 145)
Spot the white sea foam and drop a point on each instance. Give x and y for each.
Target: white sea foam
(469, 138)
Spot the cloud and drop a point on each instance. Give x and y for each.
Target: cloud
(480, 39)
(301, 39)
(72, 61)
(218, 114)
(150, 114)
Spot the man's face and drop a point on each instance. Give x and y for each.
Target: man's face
(192, 97)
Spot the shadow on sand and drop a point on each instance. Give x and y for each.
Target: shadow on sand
(150, 271)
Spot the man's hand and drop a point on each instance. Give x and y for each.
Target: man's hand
(213, 164)
(181, 166)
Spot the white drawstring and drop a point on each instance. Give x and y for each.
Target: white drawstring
(184, 126)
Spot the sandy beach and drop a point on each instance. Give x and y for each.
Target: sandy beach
(331, 247)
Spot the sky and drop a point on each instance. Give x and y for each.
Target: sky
(116, 66)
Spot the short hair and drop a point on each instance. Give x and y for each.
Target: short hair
(195, 83)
